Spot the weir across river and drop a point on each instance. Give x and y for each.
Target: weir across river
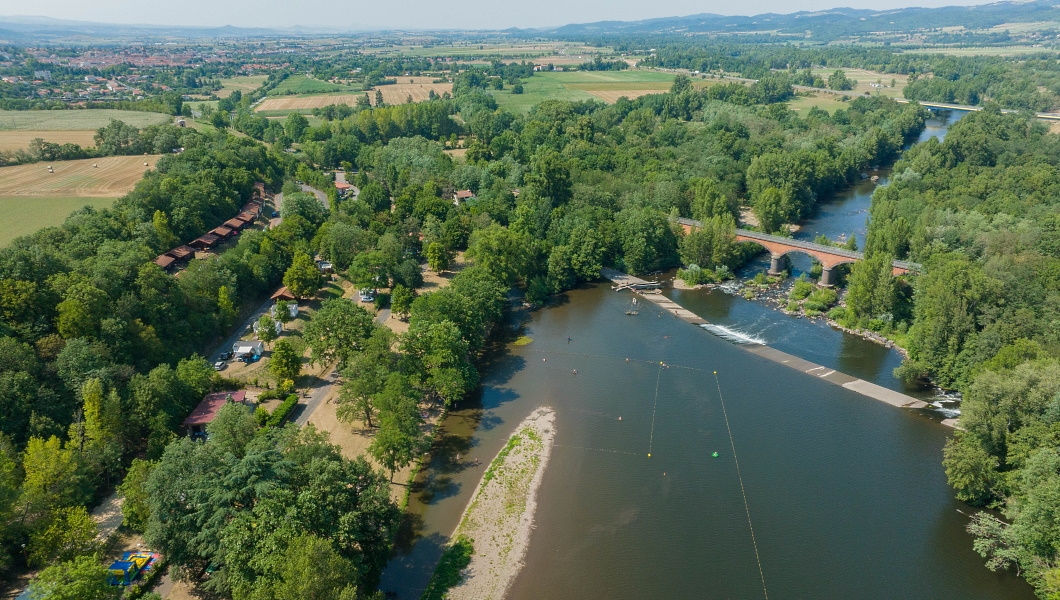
(865, 388)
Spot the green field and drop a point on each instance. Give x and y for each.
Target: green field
(300, 84)
(25, 215)
(76, 119)
(576, 85)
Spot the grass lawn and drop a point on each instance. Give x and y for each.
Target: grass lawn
(24, 215)
(245, 84)
(300, 84)
(826, 102)
(577, 85)
(83, 119)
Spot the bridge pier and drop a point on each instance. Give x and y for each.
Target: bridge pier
(827, 278)
(776, 263)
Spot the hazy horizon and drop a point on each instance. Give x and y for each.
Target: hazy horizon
(415, 14)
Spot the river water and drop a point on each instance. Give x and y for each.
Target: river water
(845, 495)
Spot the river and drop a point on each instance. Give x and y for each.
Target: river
(846, 496)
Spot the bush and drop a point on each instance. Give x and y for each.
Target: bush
(279, 416)
(760, 278)
(454, 559)
(696, 275)
(261, 415)
(802, 289)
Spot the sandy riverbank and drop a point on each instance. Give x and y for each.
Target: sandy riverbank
(500, 516)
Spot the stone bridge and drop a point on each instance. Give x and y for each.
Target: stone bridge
(829, 256)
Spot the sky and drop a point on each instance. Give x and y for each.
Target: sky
(413, 14)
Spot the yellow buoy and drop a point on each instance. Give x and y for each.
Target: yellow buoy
(649, 455)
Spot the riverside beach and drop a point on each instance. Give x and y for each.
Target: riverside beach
(500, 516)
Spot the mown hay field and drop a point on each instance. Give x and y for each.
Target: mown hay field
(22, 215)
(79, 120)
(20, 139)
(113, 176)
(418, 88)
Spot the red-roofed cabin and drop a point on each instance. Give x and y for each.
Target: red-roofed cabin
(208, 240)
(247, 217)
(182, 252)
(164, 261)
(464, 195)
(205, 412)
(251, 207)
(283, 294)
(221, 232)
(259, 188)
(234, 224)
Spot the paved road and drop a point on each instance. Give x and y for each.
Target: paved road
(321, 196)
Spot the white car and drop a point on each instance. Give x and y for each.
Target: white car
(220, 365)
(367, 295)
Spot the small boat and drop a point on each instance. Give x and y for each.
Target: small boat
(632, 313)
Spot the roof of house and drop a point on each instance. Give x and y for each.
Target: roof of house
(342, 185)
(247, 216)
(207, 409)
(251, 207)
(181, 252)
(283, 294)
(464, 194)
(207, 239)
(234, 223)
(165, 261)
(221, 231)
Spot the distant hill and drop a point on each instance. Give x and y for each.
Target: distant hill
(18, 28)
(828, 23)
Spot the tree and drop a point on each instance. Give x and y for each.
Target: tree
(438, 257)
(399, 438)
(838, 80)
(81, 310)
(337, 330)
(219, 120)
(365, 376)
(101, 445)
(401, 299)
(71, 532)
(303, 277)
(83, 578)
(712, 244)
(441, 358)
(771, 208)
(134, 507)
(53, 478)
(265, 327)
(375, 197)
(970, 469)
(312, 569)
(295, 125)
(283, 311)
(501, 252)
(379, 98)
(285, 364)
(871, 286)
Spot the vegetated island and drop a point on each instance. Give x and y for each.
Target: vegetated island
(500, 515)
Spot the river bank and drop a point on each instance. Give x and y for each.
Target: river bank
(500, 516)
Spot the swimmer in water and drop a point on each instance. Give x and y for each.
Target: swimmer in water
(568, 339)
(575, 371)
(619, 418)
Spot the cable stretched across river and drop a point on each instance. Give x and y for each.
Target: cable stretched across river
(743, 492)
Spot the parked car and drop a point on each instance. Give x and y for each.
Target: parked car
(220, 365)
(226, 356)
(367, 295)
